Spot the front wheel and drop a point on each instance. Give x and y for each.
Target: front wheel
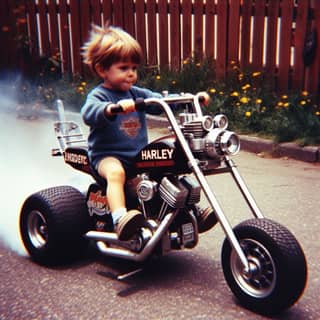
(278, 268)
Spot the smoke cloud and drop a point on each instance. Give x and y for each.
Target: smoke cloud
(26, 164)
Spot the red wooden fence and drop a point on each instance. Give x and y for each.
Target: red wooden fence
(267, 35)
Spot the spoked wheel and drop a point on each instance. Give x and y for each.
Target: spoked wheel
(277, 272)
(52, 223)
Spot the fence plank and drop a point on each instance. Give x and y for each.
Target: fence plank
(12, 22)
(272, 40)
(221, 60)
(54, 32)
(299, 38)
(75, 37)
(234, 31)
(313, 82)
(5, 27)
(95, 7)
(32, 26)
(245, 33)
(129, 21)
(44, 35)
(210, 29)
(107, 11)
(118, 16)
(65, 39)
(186, 8)
(285, 45)
(198, 29)
(141, 26)
(85, 20)
(175, 34)
(258, 35)
(163, 33)
(152, 33)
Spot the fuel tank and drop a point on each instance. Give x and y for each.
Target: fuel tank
(162, 156)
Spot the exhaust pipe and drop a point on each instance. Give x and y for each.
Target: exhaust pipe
(106, 237)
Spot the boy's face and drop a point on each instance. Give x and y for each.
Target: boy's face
(120, 76)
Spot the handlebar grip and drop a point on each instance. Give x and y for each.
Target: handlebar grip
(204, 98)
(116, 109)
(140, 104)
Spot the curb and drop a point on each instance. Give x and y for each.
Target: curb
(261, 146)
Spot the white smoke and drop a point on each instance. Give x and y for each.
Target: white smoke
(26, 164)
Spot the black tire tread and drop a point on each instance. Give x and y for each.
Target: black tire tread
(67, 218)
(291, 267)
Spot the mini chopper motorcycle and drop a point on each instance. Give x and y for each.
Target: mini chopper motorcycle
(262, 261)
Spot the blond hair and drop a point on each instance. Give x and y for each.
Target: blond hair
(110, 45)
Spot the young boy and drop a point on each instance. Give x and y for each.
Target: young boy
(114, 140)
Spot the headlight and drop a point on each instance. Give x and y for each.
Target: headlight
(220, 121)
(230, 143)
(220, 142)
(207, 123)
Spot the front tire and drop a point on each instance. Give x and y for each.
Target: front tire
(278, 268)
(52, 223)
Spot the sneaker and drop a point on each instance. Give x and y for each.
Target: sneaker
(206, 219)
(128, 224)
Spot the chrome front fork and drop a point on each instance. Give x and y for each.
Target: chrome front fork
(193, 164)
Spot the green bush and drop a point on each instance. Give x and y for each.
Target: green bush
(245, 97)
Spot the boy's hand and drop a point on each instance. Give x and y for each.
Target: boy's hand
(128, 105)
(123, 106)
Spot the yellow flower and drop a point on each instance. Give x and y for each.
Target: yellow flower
(256, 74)
(158, 77)
(284, 97)
(185, 61)
(173, 82)
(259, 101)
(248, 114)
(212, 90)
(303, 102)
(280, 104)
(304, 93)
(234, 94)
(317, 113)
(83, 84)
(286, 104)
(244, 100)
(246, 86)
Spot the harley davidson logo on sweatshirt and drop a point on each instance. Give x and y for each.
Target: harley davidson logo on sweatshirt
(130, 127)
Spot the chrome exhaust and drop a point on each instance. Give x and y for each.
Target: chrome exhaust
(105, 238)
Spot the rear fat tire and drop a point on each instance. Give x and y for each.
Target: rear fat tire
(281, 268)
(52, 223)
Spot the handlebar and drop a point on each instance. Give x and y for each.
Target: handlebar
(140, 104)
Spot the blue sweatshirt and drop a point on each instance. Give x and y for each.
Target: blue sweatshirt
(121, 136)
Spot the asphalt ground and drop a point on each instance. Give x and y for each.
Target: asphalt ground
(182, 285)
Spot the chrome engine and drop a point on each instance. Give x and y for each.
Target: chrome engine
(208, 136)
